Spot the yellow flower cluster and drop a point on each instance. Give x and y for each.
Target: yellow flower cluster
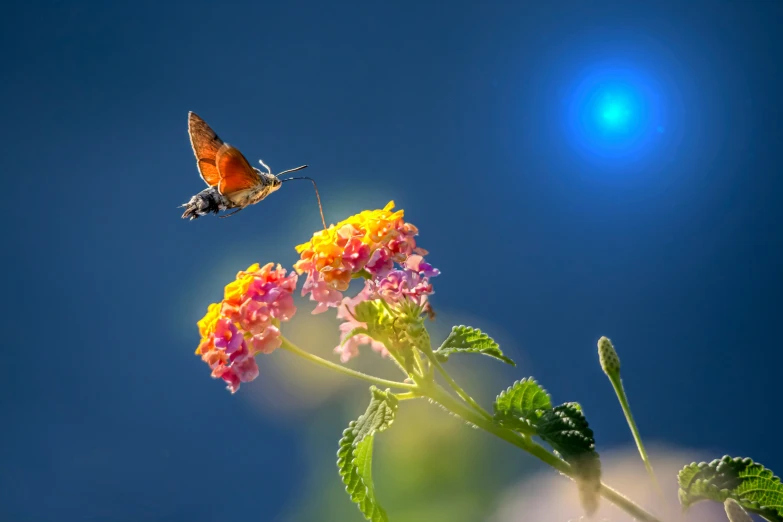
(340, 251)
(231, 296)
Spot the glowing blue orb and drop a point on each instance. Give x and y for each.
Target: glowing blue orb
(614, 111)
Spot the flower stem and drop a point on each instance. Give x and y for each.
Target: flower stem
(291, 347)
(617, 384)
(419, 363)
(456, 387)
(441, 396)
(408, 395)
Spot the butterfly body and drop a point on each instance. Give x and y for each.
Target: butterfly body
(267, 183)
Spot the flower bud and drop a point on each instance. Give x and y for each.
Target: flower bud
(610, 362)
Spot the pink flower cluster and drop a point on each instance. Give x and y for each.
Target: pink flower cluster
(246, 322)
(367, 244)
(411, 283)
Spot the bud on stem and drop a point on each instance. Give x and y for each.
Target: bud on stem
(610, 362)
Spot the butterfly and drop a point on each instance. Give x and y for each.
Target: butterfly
(232, 183)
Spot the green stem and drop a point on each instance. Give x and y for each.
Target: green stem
(617, 384)
(441, 396)
(291, 347)
(408, 396)
(626, 504)
(419, 363)
(456, 387)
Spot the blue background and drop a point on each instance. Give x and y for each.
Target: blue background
(471, 117)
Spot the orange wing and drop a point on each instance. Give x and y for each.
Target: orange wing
(205, 145)
(235, 172)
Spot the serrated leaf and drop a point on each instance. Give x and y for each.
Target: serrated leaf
(363, 460)
(354, 454)
(464, 339)
(761, 487)
(705, 481)
(379, 414)
(565, 428)
(521, 405)
(354, 460)
(753, 486)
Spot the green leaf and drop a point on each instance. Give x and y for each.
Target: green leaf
(526, 407)
(379, 415)
(464, 339)
(752, 485)
(565, 428)
(521, 405)
(354, 460)
(354, 454)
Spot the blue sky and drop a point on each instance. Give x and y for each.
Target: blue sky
(548, 233)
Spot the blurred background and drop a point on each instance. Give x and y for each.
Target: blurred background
(576, 169)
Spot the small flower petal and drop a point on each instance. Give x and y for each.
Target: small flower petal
(227, 337)
(267, 341)
(416, 263)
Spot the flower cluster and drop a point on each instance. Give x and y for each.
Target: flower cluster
(377, 246)
(367, 245)
(246, 322)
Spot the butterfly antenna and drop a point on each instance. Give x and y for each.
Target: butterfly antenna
(292, 170)
(317, 195)
(269, 171)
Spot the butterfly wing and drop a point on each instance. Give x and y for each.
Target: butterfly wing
(234, 171)
(206, 144)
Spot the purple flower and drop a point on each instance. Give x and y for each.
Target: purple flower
(227, 337)
(403, 284)
(417, 264)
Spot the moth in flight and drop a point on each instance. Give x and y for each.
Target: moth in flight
(232, 183)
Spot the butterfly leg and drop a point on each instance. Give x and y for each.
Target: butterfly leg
(234, 212)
